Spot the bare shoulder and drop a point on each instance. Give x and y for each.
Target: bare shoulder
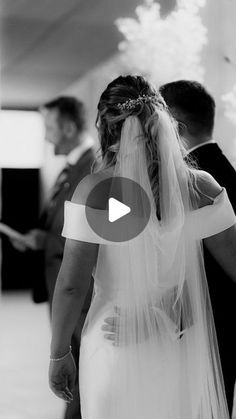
(88, 184)
(207, 186)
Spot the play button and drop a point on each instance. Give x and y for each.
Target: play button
(118, 209)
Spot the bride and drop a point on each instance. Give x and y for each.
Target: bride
(148, 347)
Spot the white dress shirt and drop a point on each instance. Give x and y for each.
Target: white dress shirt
(86, 143)
(199, 145)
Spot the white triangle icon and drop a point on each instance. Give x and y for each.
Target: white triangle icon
(116, 210)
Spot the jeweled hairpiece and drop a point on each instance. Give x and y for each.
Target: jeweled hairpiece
(155, 99)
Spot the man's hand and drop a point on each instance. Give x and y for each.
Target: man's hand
(18, 245)
(118, 333)
(112, 325)
(34, 240)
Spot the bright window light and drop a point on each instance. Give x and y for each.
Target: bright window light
(21, 139)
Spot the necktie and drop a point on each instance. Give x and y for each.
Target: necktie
(45, 216)
(63, 175)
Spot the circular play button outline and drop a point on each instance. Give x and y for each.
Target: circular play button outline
(118, 195)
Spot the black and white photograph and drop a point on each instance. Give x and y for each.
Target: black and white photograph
(117, 209)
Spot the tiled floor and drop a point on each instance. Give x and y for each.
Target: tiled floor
(24, 352)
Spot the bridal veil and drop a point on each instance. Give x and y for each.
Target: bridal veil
(165, 338)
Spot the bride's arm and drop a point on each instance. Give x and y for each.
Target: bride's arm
(74, 277)
(70, 292)
(71, 289)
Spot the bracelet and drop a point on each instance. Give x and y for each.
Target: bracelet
(62, 357)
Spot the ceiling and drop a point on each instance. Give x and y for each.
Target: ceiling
(47, 45)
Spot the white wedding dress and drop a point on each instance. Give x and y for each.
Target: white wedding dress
(170, 371)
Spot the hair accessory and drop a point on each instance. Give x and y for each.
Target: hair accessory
(155, 99)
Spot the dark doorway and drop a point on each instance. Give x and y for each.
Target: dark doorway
(20, 210)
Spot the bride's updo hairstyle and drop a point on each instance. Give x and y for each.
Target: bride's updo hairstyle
(131, 96)
(113, 109)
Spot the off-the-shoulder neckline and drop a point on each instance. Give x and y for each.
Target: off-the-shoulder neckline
(205, 207)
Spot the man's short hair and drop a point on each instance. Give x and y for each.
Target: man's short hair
(194, 102)
(69, 108)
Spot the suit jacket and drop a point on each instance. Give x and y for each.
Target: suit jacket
(52, 221)
(221, 288)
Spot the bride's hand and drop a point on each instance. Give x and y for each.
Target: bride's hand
(62, 376)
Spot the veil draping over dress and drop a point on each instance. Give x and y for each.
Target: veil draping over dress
(165, 364)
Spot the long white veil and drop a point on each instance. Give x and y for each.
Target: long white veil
(166, 351)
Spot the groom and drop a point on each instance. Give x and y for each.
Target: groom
(194, 109)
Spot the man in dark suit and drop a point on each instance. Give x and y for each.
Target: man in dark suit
(194, 109)
(65, 128)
